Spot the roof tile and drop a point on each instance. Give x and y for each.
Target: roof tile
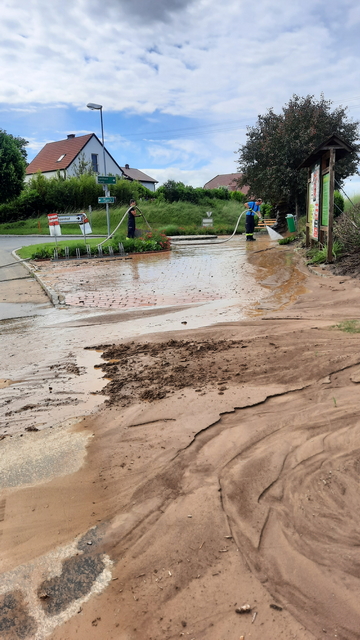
(48, 158)
(228, 180)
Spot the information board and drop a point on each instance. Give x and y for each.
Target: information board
(313, 211)
(325, 200)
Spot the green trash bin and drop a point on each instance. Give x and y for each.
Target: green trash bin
(290, 220)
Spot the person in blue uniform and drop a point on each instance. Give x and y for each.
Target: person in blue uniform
(254, 209)
(131, 219)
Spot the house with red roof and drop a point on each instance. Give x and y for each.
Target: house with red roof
(139, 176)
(228, 181)
(64, 156)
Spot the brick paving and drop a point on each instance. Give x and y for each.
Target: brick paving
(188, 274)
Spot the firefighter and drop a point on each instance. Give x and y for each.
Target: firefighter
(131, 219)
(254, 209)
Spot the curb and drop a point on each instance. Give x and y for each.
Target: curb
(54, 297)
(316, 273)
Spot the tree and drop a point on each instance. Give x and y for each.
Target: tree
(278, 143)
(12, 166)
(83, 166)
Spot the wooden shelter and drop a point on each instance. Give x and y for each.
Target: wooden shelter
(321, 187)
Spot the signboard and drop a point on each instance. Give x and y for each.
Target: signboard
(73, 219)
(314, 192)
(106, 199)
(325, 200)
(77, 218)
(106, 179)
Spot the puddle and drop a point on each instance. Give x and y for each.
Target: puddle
(277, 274)
(53, 377)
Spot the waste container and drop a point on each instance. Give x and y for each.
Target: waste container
(290, 220)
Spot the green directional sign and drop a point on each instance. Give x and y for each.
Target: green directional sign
(106, 179)
(106, 199)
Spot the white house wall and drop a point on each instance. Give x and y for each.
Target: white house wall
(148, 185)
(93, 146)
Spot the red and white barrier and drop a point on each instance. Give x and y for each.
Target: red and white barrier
(54, 226)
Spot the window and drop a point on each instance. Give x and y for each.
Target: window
(61, 157)
(94, 162)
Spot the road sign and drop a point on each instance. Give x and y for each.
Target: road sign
(106, 179)
(77, 219)
(106, 199)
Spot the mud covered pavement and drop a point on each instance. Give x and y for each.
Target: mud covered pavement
(222, 470)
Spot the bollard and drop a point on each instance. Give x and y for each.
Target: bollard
(56, 255)
(121, 249)
(88, 251)
(111, 251)
(100, 251)
(77, 252)
(67, 253)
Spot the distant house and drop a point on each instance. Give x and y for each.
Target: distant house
(139, 176)
(65, 155)
(228, 181)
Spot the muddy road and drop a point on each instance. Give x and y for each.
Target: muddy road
(218, 469)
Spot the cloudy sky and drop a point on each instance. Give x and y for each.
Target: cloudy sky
(179, 80)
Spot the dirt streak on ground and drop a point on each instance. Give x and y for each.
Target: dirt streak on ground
(222, 471)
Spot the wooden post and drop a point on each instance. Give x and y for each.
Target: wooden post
(331, 205)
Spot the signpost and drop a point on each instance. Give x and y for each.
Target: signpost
(106, 200)
(105, 179)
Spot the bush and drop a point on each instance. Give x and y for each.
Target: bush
(339, 204)
(46, 195)
(267, 211)
(347, 229)
(149, 242)
(172, 191)
(318, 254)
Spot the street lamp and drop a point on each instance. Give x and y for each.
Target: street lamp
(98, 107)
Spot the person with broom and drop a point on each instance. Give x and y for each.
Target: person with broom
(253, 209)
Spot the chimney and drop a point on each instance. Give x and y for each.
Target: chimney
(71, 135)
(127, 166)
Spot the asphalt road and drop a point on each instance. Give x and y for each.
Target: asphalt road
(14, 273)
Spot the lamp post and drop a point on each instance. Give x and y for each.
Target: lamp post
(98, 107)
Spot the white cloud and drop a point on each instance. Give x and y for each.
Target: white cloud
(201, 59)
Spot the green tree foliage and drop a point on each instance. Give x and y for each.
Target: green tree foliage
(12, 166)
(278, 143)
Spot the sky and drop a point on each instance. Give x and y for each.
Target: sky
(179, 80)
